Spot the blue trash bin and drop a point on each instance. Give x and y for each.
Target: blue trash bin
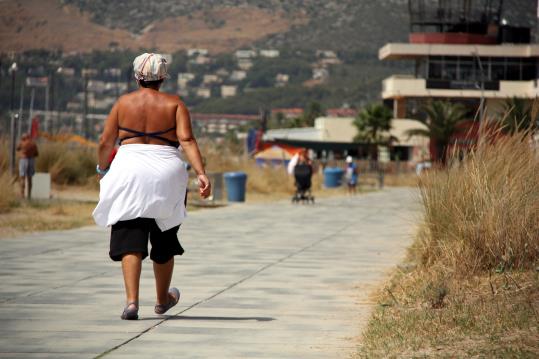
(333, 177)
(235, 186)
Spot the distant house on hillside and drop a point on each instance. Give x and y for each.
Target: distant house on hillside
(201, 60)
(203, 92)
(113, 72)
(288, 113)
(269, 53)
(196, 52)
(281, 80)
(211, 79)
(341, 112)
(184, 78)
(66, 71)
(89, 73)
(320, 74)
(328, 54)
(238, 75)
(228, 91)
(222, 72)
(245, 54)
(245, 64)
(97, 86)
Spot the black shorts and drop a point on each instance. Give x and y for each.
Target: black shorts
(132, 237)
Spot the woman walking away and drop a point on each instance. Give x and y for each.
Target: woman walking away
(142, 192)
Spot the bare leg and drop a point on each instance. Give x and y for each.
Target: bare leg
(131, 267)
(163, 276)
(29, 186)
(23, 183)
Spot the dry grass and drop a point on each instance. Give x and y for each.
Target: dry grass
(407, 179)
(482, 213)
(8, 196)
(67, 163)
(427, 314)
(43, 216)
(473, 286)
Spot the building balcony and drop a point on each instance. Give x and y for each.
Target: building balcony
(400, 86)
(398, 51)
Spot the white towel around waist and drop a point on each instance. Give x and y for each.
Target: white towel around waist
(146, 181)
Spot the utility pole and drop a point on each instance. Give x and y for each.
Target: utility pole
(47, 115)
(482, 101)
(21, 107)
(31, 116)
(12, 159)
(86, 127)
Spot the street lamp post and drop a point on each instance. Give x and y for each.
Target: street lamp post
(12, 70)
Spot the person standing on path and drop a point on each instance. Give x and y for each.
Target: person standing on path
(27, 150)
(351, 174)
(142, 193)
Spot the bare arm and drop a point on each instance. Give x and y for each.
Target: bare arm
(190, 147)
(108, 138)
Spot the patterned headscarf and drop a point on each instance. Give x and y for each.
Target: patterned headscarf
(150, 67)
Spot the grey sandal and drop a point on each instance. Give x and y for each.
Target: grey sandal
(173, 298)
(130, 313)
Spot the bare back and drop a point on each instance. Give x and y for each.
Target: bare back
(148, 111)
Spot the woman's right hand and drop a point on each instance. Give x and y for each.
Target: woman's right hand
(204, 186)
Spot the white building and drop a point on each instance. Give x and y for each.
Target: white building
(66, 71)
(211, 79)
(113, 72)
(228, 91)
(203, 92)
(245, 64)
(320, 74)
(281, 79)
(342, 130)
(238, 75)
(184, 78)
(245, 54)
(270, 53)
(196, 52)
(328, 54)
(488, 63)
(202, 60)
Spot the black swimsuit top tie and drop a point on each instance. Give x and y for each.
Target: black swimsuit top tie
(150, 134)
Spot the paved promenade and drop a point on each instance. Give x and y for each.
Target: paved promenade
(257, 281)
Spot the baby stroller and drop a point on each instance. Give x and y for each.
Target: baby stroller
(303, 173)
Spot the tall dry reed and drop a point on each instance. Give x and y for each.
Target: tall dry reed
(8, 196)
(483, 212)
(67, 163)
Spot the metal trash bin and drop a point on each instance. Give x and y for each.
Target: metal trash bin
(235, 186)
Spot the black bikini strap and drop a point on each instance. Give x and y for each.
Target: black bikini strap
(146, 133)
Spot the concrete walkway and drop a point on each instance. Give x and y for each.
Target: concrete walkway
(257, 281)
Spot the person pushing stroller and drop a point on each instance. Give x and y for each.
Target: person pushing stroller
(303, 172)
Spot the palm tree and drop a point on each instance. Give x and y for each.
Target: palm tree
(516, 115)
(442, 122)
(373, 124)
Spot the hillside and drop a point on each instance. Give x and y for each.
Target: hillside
(49, 24)
(219, 25)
